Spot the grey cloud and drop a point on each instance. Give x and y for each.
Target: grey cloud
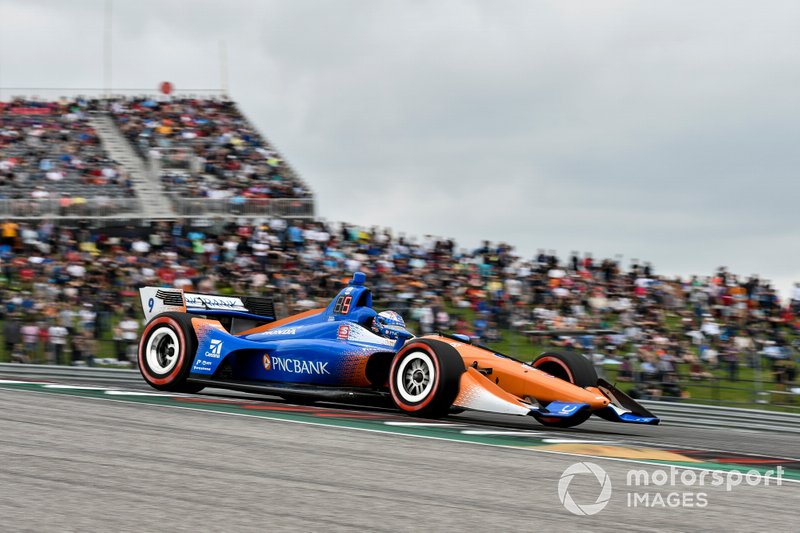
(660, 130)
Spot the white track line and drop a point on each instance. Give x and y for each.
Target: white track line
(76, 387)
(423, 424)
(579, 441)
(501, 433)
(132, 393)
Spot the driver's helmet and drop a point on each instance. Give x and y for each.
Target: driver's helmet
(388, 324)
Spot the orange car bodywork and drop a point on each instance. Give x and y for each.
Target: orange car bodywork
(513, 381)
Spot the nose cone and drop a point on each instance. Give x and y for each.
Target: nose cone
(595, 400)
(598, 402)
(546, 388)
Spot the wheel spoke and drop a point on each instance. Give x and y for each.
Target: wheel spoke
(415, 377)
(162, 350)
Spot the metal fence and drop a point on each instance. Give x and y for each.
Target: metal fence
(715, 390)
(92, 207)
(244, 207)
(49, 94)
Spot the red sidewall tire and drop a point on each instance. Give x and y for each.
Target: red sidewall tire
(447, 366)
(568, 366)
(571, 367)
(550, 360)
(176, 375)
(398, 399)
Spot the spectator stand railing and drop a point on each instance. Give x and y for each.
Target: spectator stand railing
(50, 94)
(68, 207)
(244, 207)
(713, 390)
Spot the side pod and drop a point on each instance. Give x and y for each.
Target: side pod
(480, 394)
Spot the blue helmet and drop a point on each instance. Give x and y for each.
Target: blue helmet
(388, 324)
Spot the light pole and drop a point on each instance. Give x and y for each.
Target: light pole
(107, 48)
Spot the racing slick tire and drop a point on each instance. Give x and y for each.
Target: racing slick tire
(572, 367)
(425, 378)
(166, 352)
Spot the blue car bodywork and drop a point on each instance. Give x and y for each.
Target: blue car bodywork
(331, 347)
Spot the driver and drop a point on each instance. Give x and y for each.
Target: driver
(389, 324)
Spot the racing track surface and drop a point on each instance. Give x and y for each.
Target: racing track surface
(74, 460)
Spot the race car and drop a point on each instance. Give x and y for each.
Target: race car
(348, 352)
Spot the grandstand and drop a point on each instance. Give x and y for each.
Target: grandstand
(218, 208)
(53, 164)
(141, 158)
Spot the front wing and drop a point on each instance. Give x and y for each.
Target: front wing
(479, 393)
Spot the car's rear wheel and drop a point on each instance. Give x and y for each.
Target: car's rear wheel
(425, 377)
(166, 352)
(571, 367)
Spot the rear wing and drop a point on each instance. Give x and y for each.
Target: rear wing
(157, 300)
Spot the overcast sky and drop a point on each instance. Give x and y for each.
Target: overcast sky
(666, 131)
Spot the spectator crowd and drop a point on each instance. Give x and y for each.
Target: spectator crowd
(65, 289)
(205, 148)
(49, 150)
(52, 159)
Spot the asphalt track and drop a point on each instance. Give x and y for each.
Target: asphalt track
(85, 460)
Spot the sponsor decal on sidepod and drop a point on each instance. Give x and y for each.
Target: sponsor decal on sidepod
(294, 366)
(215, 350)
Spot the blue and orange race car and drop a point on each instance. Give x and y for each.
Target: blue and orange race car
(348, 352)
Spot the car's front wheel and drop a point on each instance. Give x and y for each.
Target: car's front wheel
(425, 377)
(572, 367)
(166, 352)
